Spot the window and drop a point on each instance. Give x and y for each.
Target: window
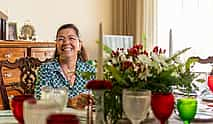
(191, 22)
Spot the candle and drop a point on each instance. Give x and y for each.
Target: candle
(99, 74)
(170, 43)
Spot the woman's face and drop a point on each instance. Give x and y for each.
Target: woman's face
(67, 43)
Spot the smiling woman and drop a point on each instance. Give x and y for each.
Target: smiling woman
(65, 69)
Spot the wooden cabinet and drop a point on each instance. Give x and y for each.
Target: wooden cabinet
(11, 50)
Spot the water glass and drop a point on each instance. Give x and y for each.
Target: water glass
(36, 111)
(59, 95)
(136, 104)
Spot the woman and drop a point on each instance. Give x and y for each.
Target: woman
(64, 70)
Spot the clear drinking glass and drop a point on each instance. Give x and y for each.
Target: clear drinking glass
(36, 111)
(59, 95)
(136, 104)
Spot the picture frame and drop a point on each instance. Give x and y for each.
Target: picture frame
(12, 31)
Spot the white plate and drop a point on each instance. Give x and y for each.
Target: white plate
(203, 116)
(178, 92)
(208, 98)
(200, 116)
(6, 113)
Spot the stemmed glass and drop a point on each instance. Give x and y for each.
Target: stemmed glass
(136, 104)
(62, 118)
(210, 82)
(187, 108)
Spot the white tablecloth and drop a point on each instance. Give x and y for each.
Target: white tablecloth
(6, 117)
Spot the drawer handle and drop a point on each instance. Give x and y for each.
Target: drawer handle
(45, 54)
(7, 55)
(7, 75)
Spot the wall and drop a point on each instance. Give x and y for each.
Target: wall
(47, 15)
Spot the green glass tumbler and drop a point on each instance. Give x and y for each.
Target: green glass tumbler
(187, 108)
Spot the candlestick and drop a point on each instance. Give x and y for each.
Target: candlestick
(99, 74)
(170, 43)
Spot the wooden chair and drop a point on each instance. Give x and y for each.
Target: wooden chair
(24, 84)
(118, 41)
(208, 60)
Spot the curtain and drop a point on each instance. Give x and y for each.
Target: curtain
(135, 17)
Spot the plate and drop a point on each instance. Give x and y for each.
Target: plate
(200, 116)
(208, 98)
(6, 113)
(178, 92)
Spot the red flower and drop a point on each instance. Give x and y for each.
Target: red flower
(133, 51)
(126, 65)
(155, 50)
(99, 84)
(146, 53)
(139, 46)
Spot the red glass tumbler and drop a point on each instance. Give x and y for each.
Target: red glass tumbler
(17, 106)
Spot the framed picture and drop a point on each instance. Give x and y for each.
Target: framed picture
(12, 31)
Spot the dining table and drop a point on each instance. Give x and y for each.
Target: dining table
(204, 115)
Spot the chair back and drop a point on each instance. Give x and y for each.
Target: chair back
(208, 60)
(25, 68)
(118, 41)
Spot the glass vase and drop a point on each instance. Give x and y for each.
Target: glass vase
(99, 106)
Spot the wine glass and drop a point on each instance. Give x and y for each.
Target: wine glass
(210, 82)
(187, 108)
(136, 104)
(59, 95)
(17, 106)
(62, 118)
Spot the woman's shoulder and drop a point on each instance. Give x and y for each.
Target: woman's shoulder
(86, 66)
(51, 64)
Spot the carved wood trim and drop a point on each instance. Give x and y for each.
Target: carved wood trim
(204, 61)
(28, 67)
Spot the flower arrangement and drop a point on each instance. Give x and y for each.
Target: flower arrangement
(135, 69)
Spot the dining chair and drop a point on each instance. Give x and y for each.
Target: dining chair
(118, 41)
(25, 69)
(208, 60)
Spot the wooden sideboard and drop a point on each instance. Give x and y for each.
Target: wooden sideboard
(12, 50)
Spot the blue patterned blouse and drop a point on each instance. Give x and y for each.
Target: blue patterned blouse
(51, 74)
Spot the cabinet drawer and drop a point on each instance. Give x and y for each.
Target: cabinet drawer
(43, 53)
(12, 54)
(10, 75)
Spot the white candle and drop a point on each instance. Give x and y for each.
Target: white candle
(170, 43)
(99, 74)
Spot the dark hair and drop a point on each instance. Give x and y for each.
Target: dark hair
(65, 26)
(82, 54)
